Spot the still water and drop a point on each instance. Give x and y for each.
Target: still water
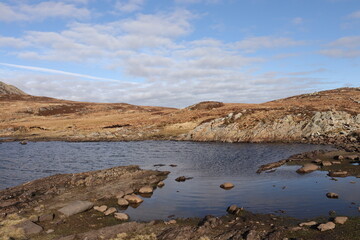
(210, 164)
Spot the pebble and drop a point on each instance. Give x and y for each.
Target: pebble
(161, 184)
(308, 224)
(146, 189)
(133, 199)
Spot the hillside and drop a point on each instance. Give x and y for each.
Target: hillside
(9, 89)
(326, 117)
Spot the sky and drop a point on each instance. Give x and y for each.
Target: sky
(176, 53)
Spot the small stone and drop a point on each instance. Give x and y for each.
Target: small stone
(181, 179)
(326, 163)
(101, 208)
(353, 157)
(120, 194)
(232, 209)
(317, 161)
(339, 157)
(335, 162)
(227, 185)
(326, 226)
(133, 199)
(332, 195)
(161, 184)
(340, 220)
(146, 189)
(294, 229)
(308, 224)
(110, 211)
(129, 191)
(46, 217)
(50, 231)
(173, 165)
(121, 216)
(123, 202)
(172, 221)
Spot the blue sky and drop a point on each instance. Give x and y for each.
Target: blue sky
(179, 52)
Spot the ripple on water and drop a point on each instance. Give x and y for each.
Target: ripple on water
(210, 164)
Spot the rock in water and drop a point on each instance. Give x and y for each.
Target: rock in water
(326, 226)
(76, 207)
(121, 216)
(227, 185)
(146, 189)
(161, 184)
(133, 199)
(181, 179)
(332, 195)
(123, 202)
(340, 220)
(29, 227)
(307, 168)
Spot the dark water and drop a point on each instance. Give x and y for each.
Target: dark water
(210, 164)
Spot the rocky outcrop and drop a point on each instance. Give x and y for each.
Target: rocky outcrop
(9, 89)
(325, 126)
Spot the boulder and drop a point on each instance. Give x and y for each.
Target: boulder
(308, 224)
(123, 202)
(121, 216)
(161, 184)
(76, 207)
(146, 189)
(340, 220)
(227, 185)
(307, 168)
(326, 226)
(29, 227)
(133, 199)
(332, 195)
(102, 208)
(110, 211)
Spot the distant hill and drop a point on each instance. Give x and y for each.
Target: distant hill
(10, 89)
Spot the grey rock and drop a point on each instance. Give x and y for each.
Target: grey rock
(29, 227)
(76, 207)
(326, 226)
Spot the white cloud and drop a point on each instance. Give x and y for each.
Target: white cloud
(41, 11)
(12, 42)
(129, 5)
(355, 14)
(297, 21)
(345, 47)
(256, 43)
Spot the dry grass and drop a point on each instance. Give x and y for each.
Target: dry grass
(7, 229)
